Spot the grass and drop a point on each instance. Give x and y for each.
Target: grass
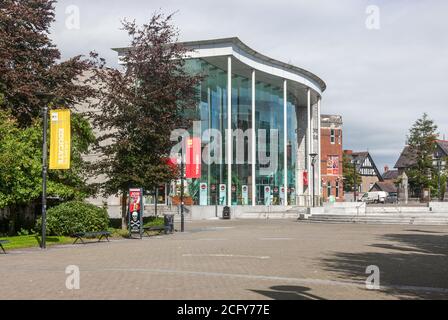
(20, 242)
(154, 221)
(31, 241)
(150, 222)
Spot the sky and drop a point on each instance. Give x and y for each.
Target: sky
(385, 62)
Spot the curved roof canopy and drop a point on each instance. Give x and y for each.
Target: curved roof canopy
(235, 47)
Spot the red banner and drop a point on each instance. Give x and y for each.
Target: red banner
(305, 178)
(193, 158)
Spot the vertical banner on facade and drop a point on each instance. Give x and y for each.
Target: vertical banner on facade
(305, 178)
(282, 195)
(136, 211)
(193, 158)
(267, 195)
(245, 195)
(60, 140)
(222, 194)
(333, 165)
(203, 194)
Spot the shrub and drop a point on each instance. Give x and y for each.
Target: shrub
(75, 216)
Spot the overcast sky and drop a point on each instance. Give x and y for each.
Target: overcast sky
(379, 80)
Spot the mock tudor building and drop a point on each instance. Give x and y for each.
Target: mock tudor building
(366, 168)
(332, 158)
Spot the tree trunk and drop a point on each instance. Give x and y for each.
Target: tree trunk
(124, 220)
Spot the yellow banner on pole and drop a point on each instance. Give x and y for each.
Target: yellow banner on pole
(60, 140)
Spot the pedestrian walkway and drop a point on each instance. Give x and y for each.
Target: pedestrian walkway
(243, 259)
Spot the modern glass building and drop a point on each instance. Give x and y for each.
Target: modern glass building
(258, 120)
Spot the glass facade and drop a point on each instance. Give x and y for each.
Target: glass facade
(269, 124)
(212, 113)
(291, 151)
(270, 138)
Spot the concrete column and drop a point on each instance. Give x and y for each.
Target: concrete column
(309, 145)
(285, 140)
(254, 143)
(229, 131)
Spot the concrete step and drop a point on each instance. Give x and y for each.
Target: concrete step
(398, 210)
(266, 215)
(416, 219)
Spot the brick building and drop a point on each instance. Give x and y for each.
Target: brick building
(332, 158)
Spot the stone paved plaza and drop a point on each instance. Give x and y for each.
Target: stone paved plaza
(245, 259)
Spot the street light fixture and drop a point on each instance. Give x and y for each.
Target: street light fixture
(46, 98)
(355, 163)
(439, 163)
(182, 218)
(313, 163)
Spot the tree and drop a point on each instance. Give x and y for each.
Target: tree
(31, 77)
(30, 74)
(348, 169)
(422, 145)
(139, 108)
(21, 164)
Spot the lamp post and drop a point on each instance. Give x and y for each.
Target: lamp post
(439, 163)
(355, 186)
(182, 218)
(46, 99)
(313, 163)
(44, 178)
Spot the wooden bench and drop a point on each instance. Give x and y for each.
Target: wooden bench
(158, 229)
(101, 234)
(2, 242)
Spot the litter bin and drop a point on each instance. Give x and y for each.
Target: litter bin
(168, 220)
(226, 213)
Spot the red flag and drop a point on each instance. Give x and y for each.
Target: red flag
(193, 158)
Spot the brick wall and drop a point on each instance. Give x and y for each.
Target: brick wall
(329, 150)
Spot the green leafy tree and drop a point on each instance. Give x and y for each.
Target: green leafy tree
(348, 169)
(139, 108)
(422, 146)
(32, 76)
(21, 163)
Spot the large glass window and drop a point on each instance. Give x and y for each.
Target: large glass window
(212, 112)
(291, 146)
(241, 126)
(270, 139)
(269, 125)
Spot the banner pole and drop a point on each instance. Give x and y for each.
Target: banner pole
(44, 178)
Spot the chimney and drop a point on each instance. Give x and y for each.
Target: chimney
(386, 168)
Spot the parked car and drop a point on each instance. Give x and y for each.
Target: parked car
(392, 198)
(374, 197)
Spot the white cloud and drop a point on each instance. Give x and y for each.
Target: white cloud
(379, 80)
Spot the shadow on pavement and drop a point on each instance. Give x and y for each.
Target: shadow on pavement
(412, 266)
(288, 293)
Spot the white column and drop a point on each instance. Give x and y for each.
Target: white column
(285, 140)
(254, 144)
(319, 170)
(229, 131)
(308, 143)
